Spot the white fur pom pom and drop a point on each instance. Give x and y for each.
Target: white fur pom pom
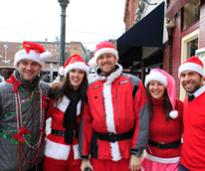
(46, 56)
(61, 71)
(173, 114)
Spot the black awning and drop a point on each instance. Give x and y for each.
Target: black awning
(147, 32)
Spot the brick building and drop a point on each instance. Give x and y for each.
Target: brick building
(185, 23)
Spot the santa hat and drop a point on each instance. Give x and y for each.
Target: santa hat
(73, 62)
(168, 81)
(105, 47)
(192, 64)
(32, 51)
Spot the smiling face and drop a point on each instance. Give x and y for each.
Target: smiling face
(190, 81)
(107, 62)
(156, 89)
(76, 77)
(28, 69)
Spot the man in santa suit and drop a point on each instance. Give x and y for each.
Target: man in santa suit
(114, 127)
(191, 77)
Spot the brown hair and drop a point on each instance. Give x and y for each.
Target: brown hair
(58, 89)
(166, 104)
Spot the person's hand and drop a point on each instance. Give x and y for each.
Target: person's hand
(135, 163)
(85, 164)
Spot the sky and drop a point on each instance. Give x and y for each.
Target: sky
(87, 21)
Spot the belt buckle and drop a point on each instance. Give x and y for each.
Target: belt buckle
(112, 137)
(160, 144)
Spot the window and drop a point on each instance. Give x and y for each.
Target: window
(190, 13)
(192, 46)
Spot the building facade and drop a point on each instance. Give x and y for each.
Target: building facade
(185, 24)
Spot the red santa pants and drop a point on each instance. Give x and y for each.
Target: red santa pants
(61, 165)
(109, 165)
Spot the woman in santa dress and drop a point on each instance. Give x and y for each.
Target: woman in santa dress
(68, 97)
(165, 130)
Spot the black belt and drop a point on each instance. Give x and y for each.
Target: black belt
(62, 133)
(163, 145)
(112, 137)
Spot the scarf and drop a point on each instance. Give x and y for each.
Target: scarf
(70, 118)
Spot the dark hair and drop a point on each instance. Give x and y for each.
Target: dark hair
(167, 107)
(58, 89)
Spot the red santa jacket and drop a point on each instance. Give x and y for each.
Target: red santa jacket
(56, 147)
(116, 104)
(165, 130)
(193, 147)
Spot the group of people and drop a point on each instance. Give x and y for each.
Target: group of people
(114, 123)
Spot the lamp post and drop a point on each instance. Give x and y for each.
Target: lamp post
(5, 54)
(63, 4)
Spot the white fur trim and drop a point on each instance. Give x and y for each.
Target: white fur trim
(190, 67)
(162, 160)
(115, 151)
(199, 91)
(111, 77)
(155, 76)
(114, 75)
(62, 106)
(109, 108)
(98, 53)
(76, 151)
(173, 114)
(56, 150)
(23, 55)
(110, 123)
(79, 108)
(76, 65)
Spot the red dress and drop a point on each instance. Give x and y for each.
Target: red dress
(60, 156)
(166, 131)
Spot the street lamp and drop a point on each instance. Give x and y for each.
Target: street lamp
(5, 54)
(63, 4)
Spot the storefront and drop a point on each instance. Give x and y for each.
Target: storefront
(141, 47)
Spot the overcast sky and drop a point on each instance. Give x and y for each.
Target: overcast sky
(88, 21)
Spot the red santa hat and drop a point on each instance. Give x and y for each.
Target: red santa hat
(105, 47)
(192, 64)
(74, 62)
(168, 81)
(32, 51)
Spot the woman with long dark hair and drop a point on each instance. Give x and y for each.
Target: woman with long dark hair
(68, 97)
(165, 130)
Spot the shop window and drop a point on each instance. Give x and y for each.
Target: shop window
(189, 45)
(190, 13)
(192, 46)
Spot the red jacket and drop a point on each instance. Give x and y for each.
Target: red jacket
(114, 106)
(56, 147)
(165, 130)
(193, 148)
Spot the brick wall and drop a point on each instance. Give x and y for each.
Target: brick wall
(176, 52)
(202, 26)
(129, 14)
